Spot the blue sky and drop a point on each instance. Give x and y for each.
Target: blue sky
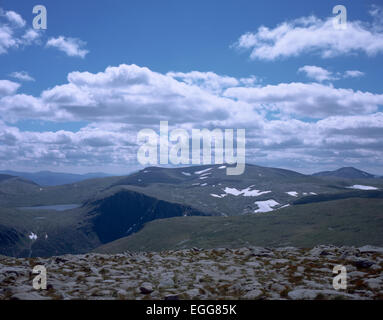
(174, 35)
(277, 101)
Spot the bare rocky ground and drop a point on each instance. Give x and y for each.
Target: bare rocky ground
(245, 273)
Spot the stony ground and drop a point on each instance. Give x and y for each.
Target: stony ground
(246, 273)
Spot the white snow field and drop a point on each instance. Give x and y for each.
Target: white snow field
(32, 236)
(362, 187)
(245, 192)
(217, 195)
(265, 206)
(203, 171)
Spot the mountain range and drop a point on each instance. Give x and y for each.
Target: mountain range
(347, 173)
(164, 208)
(49, 178)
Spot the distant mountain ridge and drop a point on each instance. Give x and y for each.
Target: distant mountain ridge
(346, 173)
(49, 178)
(4, 177)
(111, 208)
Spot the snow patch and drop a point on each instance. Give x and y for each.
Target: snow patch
(32, 236)
(233, 191)
(218, 196)
(205, 174)
(253, 193)
(292, 193)
(203, 171)
(186, 173)
(265, 206)
(362, 187)
(245, 192)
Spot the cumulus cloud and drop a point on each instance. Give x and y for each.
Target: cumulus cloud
(73, 47)
(309, 100)
(320, 74)
(327, 143)
(316, 73)
(22, 106)
(211, 81)
(22, 76)
(133, 94)
(30, 36)
(376, 13)
(8, 87)
(312, 35)
(207, 80)
(292, 142)
(353, 74)
(121, 100)
(13, 33)
(94, 145)
(15, 18)
(6, 39)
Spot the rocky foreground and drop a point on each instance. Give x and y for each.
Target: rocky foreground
(245, 273)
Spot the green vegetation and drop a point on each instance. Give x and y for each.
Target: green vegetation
(66, 233)
(342, 222)
(116, 207)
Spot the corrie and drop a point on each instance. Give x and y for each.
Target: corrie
(174, 147)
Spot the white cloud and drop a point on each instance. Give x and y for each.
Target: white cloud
(6, 39)
(376, 13)
(8, 87)
(120, 101)
(206, 80)
(211, 81)
(133, 94)
(71, 46)
(15, 18)
(308, 100)
(22, 76)
(353, 139)
(353, 74)
(30, 36)
(312, 35)
(320, 74)
(15, 34)
(330, 142)
(316, 73)
(250, 81)
(93, 145)
(21, 106)
(12, 32)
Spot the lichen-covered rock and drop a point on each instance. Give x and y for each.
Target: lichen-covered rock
(243, 273)
(146, 288)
